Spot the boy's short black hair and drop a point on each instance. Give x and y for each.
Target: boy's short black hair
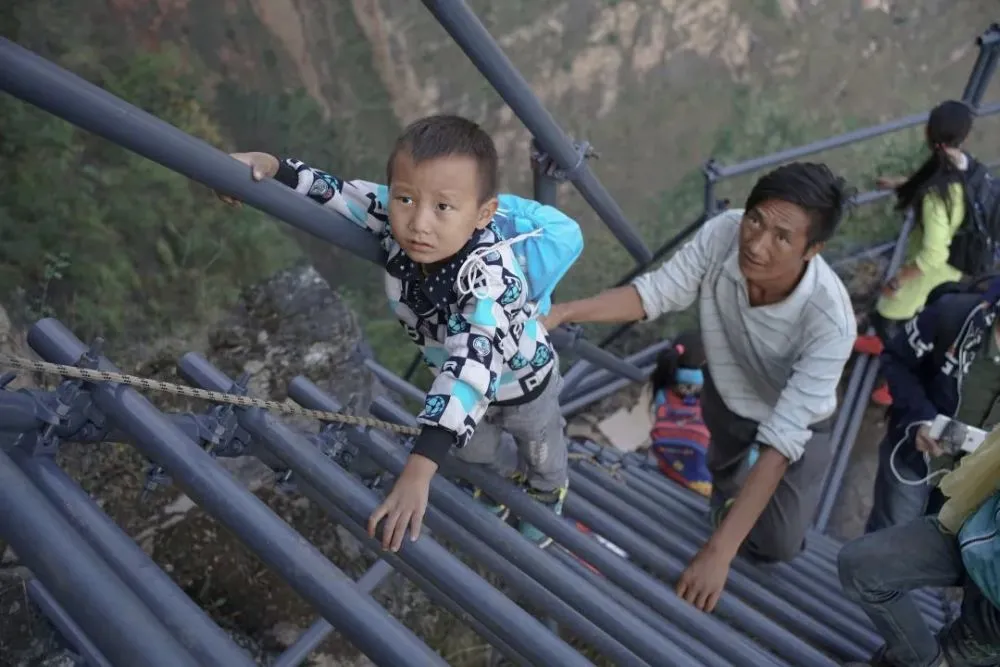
(441, 135)
(823, 195)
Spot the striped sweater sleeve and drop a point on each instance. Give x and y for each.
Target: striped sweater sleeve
(675, 285)
(810, 394)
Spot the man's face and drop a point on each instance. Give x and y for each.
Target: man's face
(774, 239)
(434, 206)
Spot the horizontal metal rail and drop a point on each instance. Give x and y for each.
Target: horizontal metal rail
(377, 634)
(63, 94)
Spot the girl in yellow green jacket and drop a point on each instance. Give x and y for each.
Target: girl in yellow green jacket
(936, 194)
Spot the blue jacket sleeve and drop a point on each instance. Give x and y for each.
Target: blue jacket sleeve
(901, 360)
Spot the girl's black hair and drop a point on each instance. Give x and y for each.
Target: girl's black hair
(947, 127)
(671, 359)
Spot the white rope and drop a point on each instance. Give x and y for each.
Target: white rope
(474, 277)
(927, 461)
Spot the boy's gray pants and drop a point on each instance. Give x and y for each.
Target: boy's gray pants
(535, 444)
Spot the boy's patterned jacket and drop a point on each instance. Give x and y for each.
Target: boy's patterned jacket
(483, 351)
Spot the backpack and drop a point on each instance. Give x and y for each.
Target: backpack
(973, 285)
(679, 442)
(979, 543)
(975, 248)
(545, 241)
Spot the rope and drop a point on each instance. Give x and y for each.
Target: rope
(475, 278)
(147, 384)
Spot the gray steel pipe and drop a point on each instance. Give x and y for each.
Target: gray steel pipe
(310, 640)
(639, 584)
(49, 87)
(849, 640)
(185, 620)
(79, 580)
(464, 26)
(66, 626)
(377, 634)
(524, 632)
(787, 642)
(446, 496)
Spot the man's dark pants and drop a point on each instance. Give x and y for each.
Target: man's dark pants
(779, 533)
(878, 570)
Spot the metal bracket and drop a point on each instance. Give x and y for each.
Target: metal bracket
(217, 436)
(543, 162)
(711, 170)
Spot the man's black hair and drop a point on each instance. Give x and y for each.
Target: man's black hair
(447, 135)
(811, 186)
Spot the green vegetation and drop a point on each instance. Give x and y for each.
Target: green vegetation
(114, 244)
(109, 241)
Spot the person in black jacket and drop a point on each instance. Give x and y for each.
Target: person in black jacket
(946, 360)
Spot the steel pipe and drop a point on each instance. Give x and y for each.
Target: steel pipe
(79, 580)
(377, 634)
(474, 39)
(49, 87)
(185, 620)
(785, 641)
(830, 631)
(310, 640)
(636, 582)
(518, 628)
(66, 626)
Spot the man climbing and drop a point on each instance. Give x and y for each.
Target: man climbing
(778, 327)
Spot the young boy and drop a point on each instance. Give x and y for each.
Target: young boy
(495, 366)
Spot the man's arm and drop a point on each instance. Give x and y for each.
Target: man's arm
(809, 396)
(672, 287)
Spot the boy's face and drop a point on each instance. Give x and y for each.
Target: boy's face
(434, 206)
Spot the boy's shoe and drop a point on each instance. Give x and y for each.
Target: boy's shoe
(551, 499)
(493, 507)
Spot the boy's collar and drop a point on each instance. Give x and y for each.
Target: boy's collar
(437, 285)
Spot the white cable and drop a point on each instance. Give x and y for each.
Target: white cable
(927, 461)
(473, 274)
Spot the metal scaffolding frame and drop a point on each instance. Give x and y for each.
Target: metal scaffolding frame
(115, 606)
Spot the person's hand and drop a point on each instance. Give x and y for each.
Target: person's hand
(891, 287)
(556, 317)
(261, 166)
(406, 503)
(903, 276)
(702, 582)
(925, 443)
